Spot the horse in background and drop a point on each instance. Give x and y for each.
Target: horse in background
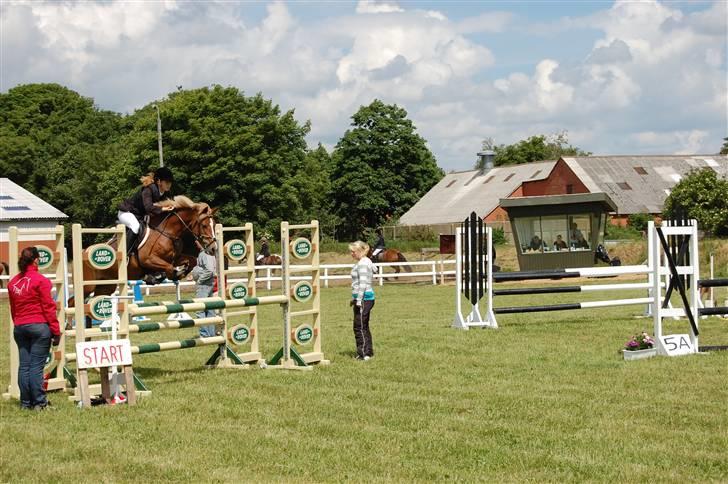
(4, 271)
(271, 260)
(390, 255)
(168, 247)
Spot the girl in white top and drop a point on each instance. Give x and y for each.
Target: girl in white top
(362, 298)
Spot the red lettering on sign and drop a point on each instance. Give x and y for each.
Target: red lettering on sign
(87, 358)
(104, 356)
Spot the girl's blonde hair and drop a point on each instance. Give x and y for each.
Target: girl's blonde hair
(359, 247)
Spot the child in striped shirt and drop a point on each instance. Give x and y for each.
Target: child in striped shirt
(362, 298)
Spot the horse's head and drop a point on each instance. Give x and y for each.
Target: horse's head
(197, 220)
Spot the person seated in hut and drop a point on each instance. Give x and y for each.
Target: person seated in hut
(560, 243)
(581, 242)
(536, 244)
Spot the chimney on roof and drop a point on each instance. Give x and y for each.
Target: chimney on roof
(485, 160)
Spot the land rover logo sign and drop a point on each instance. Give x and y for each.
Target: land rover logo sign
(304, 334)
(101, 256)
(301, 248)
(100, 308)
(46, 257)
(239, 334)
(238, 291)
(302, 291)
(236, 250)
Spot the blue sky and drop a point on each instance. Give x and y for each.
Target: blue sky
(621, 77)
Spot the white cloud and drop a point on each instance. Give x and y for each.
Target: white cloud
(674, 142)
(652, 81)
(370, 6)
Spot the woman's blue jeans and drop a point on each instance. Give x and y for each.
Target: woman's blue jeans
(34, 343)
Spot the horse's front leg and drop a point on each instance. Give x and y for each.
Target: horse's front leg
(157, 269)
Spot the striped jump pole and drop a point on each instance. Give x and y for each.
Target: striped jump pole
(712, 283)
(473, 274)
(567, 306)
(207, 304)
(154, 326)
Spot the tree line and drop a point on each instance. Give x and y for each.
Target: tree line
(239, 153)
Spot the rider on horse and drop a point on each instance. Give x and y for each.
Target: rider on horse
(379, 245)
(264, 250)
(155, 187)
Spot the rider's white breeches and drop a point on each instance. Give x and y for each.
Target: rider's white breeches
(128, 219)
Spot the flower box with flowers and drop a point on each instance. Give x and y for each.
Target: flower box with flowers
(639, 347)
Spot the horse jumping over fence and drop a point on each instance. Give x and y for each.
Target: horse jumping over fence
(169, 246)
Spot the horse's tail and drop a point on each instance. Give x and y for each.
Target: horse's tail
(401, 258)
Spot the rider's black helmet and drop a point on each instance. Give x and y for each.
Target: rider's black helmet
(163, 173)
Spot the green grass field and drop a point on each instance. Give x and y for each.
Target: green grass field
(547, 397)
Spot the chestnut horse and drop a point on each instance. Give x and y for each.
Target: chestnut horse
(169, 246)
(4, 271)
(271, 260)
(390, 255)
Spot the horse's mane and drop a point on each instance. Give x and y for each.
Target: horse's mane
(180, 201)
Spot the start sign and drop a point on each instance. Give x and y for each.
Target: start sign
(103, 354)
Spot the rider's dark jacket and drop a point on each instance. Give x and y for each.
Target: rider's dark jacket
(142, 202)
(264, 250)
(379, 243)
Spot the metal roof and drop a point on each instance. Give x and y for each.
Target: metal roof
(17, 203)
(459, 193)
(640, 184)
(571, 199)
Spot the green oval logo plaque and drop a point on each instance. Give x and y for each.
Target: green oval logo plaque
(101, 256)
(301, 248)
(302, 291)
(238, 291)
(239, 334)
(304, 334)
(100, 308)
(236, 250)
(46, 257)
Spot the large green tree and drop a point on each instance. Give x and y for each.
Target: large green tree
(724, 148)
(59, 145)
(701, 195)
(237, 153)
(381, 167)
(535, 148)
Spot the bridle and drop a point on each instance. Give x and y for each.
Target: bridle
(203, 242)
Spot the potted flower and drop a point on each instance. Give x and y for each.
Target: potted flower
(639, 347)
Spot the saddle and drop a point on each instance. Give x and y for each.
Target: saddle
(133, 241)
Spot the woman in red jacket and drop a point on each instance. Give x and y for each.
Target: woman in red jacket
(36, 325)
